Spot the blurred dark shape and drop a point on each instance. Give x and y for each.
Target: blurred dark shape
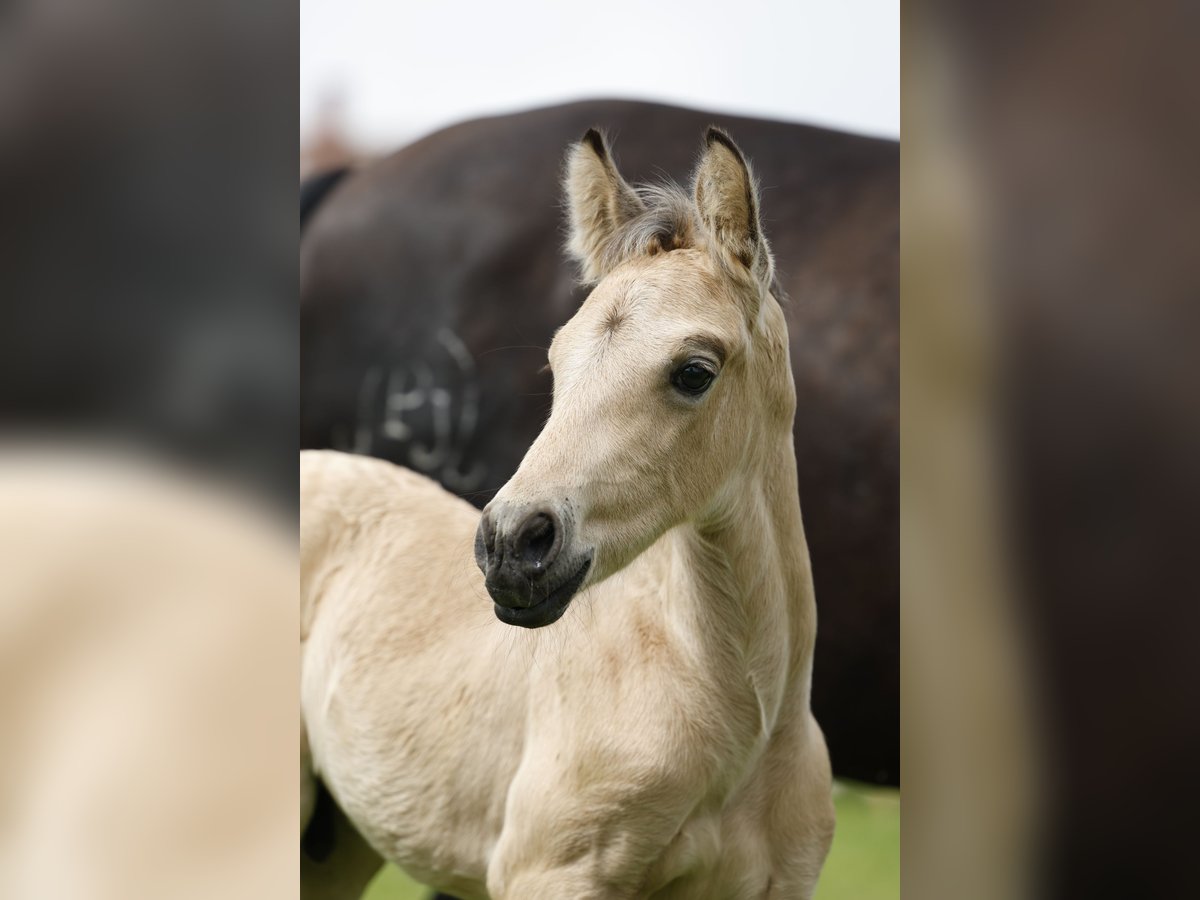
(1082, 129)
(148, 228)
(148, 361)
(314, 189)
(432, 282)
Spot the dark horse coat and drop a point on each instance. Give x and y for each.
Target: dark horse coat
(432, 281)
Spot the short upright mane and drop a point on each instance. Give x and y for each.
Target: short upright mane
(667, 223)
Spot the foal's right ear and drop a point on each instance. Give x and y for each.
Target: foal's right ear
(599, 200)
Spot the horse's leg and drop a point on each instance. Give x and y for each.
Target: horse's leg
(335, 862)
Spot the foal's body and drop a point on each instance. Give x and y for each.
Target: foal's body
(658, 747)
(655, 742)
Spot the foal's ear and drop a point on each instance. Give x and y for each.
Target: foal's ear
(727, 206)
(599, 200)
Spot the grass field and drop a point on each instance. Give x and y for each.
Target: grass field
(864, 863)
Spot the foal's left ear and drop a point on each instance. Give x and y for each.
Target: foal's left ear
(727, 205)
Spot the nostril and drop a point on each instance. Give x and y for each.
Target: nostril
(488, 532)
(485, 543)
(538, 543)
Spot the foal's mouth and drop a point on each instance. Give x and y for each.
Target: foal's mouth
(549, 609)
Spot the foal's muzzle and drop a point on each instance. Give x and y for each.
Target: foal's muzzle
(527, 571)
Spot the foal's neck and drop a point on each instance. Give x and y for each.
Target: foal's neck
(744, 584)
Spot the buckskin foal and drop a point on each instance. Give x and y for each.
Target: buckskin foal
(656, 742)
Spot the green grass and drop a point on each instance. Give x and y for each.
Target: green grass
(864, 863)
(392, 884)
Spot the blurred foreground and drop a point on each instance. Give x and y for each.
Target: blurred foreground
(147, 684)
(148, 346)
(1050, 439)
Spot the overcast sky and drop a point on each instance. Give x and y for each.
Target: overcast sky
(405, 68)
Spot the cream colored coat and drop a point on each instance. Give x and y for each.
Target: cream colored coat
(657, 740)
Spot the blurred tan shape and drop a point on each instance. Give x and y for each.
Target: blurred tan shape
(968, 763)
(147, 686)
(328, 144)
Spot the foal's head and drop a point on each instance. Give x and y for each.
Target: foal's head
(670, 382)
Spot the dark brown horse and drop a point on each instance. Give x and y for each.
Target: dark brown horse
(431, 283)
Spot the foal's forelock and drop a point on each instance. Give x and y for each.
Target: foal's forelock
(667, 222)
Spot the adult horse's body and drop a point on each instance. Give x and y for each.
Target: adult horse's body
(431, 284)
(657, 742)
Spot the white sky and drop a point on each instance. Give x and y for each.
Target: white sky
(406, 67)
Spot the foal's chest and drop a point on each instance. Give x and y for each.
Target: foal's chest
(712, 859)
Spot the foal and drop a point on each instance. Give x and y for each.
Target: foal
(658, 741)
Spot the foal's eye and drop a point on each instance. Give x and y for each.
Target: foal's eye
(692, 378)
